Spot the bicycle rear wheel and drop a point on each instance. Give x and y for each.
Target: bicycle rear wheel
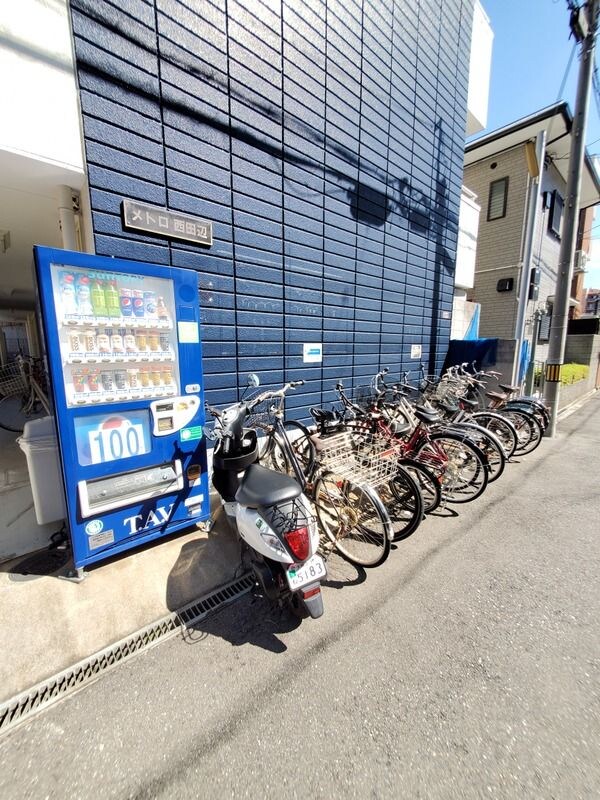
(528, 428)
(354, 519)
(488, 444)
(462, 469)
(501, 427)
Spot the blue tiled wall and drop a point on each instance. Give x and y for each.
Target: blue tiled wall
(324, 139)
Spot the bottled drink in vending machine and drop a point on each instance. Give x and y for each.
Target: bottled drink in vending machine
(150, 304)
(98, 297)
(84, 305)
(68, 299)
(137, 297)
(125, 301)
(113, 301)
(161, 310)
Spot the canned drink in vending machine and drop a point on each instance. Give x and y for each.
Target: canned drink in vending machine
(133, 378)
(75, 342)
(140, 341)
(153, 340)
(164, 342)
(155, 377)
(121, 382)
(107, 381)
(116, 344)
(129, 343)
(79, 382)
(144, 378)
(103, 341)
(93, 380)
(167, 376)
(89, 338)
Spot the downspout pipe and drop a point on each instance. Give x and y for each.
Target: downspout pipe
(66, 216)
(530, 223)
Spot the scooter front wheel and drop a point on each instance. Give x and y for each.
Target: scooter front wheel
(354, 519)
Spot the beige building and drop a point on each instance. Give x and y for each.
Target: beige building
(519, 175)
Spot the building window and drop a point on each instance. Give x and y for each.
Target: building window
(556, 211)
(497, 199)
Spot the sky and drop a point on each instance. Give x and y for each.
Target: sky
(530, 58)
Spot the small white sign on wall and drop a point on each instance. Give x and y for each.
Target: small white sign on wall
(312, 353)
(415, 351)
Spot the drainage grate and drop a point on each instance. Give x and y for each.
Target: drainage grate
(25, 705)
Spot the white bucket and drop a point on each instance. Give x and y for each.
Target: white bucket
(41, 451)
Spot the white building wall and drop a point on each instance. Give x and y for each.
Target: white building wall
(466, 249)
(40, 116)
(479, 71)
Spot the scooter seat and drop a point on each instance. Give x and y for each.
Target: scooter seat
(264, 487)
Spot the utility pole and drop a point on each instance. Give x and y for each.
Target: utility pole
(584, 23)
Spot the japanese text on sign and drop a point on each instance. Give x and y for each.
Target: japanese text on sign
(140, 217)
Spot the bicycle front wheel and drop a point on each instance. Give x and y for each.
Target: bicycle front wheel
(354, 519)
(428, 482)
(301, 443)
(404, 502)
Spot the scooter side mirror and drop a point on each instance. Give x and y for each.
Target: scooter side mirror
(253, 380)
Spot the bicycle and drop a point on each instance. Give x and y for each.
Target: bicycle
(352, 517)
(460, 466)
(22, 396)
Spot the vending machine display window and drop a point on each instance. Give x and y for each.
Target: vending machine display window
(101, 438)
(117, 336)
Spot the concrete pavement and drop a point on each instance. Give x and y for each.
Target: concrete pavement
(468, 665)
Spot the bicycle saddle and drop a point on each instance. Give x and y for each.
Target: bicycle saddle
(508, 388)
(427, 415)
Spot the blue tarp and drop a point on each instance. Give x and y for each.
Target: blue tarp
(524, 360)
(473, 329)
(482, 351)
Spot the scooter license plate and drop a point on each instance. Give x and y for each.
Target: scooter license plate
(299, 575)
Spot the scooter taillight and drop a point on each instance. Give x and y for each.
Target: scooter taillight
(299, 543)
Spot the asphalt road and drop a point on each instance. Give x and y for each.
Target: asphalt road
(466, 666)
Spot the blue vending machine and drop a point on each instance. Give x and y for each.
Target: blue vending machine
(124, 354)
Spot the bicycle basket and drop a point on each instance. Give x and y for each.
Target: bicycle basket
(370, 459)
(363, 396)
(263, 416)
(12, 381)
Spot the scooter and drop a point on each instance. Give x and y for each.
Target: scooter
(267, 509)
